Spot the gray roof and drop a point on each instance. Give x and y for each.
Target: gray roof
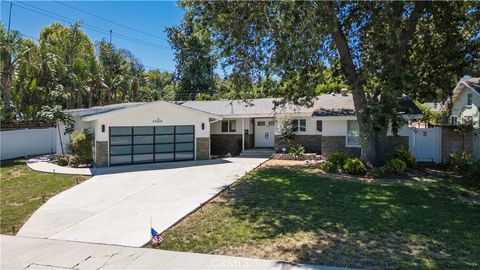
(473, 83)
(247, 107)
(103, 109)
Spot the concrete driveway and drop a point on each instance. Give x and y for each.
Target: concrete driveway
(116, 205)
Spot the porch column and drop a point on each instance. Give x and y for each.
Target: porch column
(243, 134)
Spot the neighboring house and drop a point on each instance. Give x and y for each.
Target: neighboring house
(465, 102)
(163, 131)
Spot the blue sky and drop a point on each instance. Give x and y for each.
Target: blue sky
(150, 17)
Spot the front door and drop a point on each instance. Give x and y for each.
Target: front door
(264, 132)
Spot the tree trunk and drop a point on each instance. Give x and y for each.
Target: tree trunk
(60, 137)
(7, 74)
(359, 98)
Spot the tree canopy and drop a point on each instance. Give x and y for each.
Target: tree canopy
(383, 49)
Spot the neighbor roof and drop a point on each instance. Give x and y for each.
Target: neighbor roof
(473, 83)
(338, 105)
(265, 106)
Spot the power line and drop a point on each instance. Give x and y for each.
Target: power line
(111, 21)
(87, 26)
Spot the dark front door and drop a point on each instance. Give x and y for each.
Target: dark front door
(143, 144)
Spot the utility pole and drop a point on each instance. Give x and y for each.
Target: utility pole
(9, 16)
(110, 36)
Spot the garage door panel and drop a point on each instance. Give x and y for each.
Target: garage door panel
(120, 150)
(118, 160)
(151, 144)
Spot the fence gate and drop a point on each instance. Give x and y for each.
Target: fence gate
(427, 144)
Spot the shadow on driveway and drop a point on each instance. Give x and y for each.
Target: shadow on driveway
(156, 166)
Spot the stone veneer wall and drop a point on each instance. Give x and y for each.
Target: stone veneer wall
(249, 141)
(101, 152)
(222, 144)
(312, 143)
(332, 144)
(203, 148)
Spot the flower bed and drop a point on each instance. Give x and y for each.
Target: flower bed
(306, 156)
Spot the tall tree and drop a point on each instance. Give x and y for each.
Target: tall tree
(374, 42)
(10, 52)
(195, 61)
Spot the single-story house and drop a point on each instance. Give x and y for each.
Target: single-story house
(163, 131)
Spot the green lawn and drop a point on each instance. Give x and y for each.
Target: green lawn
(296, 215)
(21, 191)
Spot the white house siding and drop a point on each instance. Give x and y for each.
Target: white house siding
(79, 125)
(461, 109)
(26, 142)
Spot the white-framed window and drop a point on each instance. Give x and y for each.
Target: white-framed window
(229, 125)
(469, 99)
(353, 135)
(453, 120)
(299, 125)
(319, 125)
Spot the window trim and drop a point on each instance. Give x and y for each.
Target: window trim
(469, 99)
(321, 126)
(456, 120)
(229, 125)
(346, 137)
(297, 122)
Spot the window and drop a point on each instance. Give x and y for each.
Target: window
(453, 120)
(353, 136)
(469, 99)
(229, 125)
(299, 125)
(319, 125)
(261, 123)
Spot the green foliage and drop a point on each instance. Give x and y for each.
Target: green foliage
(430, 116)
(329, 166)
(194, 59)
(395, 166)
(460, 162)
(57, 115)
(62, 160)
(296, 150)
(286, 131)
(338, 159)
(354, 166)
(474, 173)
(75, 161)
(81, 145)
(406, 156)
(375, 173)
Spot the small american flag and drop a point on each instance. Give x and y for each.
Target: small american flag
(156, 238)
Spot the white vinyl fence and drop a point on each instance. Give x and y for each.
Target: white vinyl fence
(27, 142)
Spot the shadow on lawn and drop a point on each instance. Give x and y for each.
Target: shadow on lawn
(359, 225)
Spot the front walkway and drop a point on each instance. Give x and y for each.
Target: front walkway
(117, 205)
(42, 164)
(29, 253)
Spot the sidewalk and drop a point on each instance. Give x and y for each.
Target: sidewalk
(33, 253)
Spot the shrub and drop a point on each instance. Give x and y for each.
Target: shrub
(395, 166)
(338, 158)
(74, 161)
(406, 156)
(354, 166)
(329, 166)
(375, 173)
(460, 162)
(296, 150)
(81, 145)
(62, 160)
(474, 173)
